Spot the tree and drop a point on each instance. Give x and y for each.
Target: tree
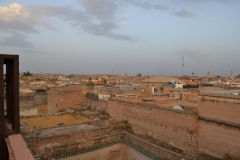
(71, 76)
(25, 74)
(90, 83)
(105, 81)
(238, 76)
(139, 75)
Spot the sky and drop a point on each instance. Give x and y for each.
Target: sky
(122, 36)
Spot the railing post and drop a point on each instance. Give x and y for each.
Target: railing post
(12, 92)
(10, 123)
(3, 148)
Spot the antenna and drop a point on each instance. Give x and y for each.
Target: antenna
(148, 86)
(182, 65)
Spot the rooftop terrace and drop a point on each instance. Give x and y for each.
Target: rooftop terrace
(234, 94)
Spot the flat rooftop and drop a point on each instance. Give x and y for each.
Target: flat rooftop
(119, 151)
(234, 94)
(44, 121)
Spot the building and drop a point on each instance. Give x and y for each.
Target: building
(219, 123)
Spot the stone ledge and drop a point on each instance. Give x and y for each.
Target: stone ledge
(17, 148)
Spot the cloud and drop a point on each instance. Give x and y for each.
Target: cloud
(15, 18)
(146, 4)
(103, 30)
(206, 1)
(184, 13)
(18, 25)
(197, 54)
(17, 12)
(96, 17)
(16, 40)
(18, 18)
(12, 11)
(124, 16)
(105, 12)
(101, 9)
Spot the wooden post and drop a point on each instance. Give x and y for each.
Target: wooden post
(9, 124)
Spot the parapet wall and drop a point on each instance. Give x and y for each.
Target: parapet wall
(216, 140)
(91, 144)
(220, 108)
(186, 131)
(177, 129)
(40, 99)
(65, 98)
(26, 101)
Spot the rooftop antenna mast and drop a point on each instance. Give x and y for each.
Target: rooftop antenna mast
(182, 65)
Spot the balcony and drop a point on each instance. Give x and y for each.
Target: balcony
(12, 144)
(17, 148)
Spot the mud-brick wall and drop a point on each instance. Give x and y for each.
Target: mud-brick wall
(26, 101)
(186, 131)
(59, 100)
(32, 100)
(217, 140)
(177, 129)
(40, 99)
(220, 108)
(99, 105)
